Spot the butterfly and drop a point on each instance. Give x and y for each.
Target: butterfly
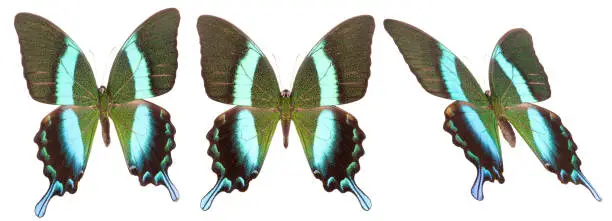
(57, 72)
(517, 80)
(335, 71)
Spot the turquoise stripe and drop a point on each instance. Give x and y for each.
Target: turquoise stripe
(514, 75)
(324, 140)
(139, 67)
(140, 139)
(64, 80)
(245, 71)
(326, 72)
(246, 137)
(448, 68)
(72, 140)
(542, 136)
(477, 127)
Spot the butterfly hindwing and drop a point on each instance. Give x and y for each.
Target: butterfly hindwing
(437, 69)
(234, 69)
(146, 65)
(64, 141)
(474, 129)
(550, 140)
(337, 69)
(332, 141)
(516, 75)
(147, 137)
(55, 68)
(239, 141)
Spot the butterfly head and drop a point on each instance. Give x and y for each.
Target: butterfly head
(285, 93)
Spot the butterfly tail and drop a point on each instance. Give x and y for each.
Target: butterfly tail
(55, 188)
(223, 184)
(578, 177)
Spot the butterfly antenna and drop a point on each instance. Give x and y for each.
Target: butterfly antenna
(295, 67)
(107, 65)
(94, 64)
(277, 71)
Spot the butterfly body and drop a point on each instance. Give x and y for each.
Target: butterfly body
(58, 73)
(236, 72)
(517, 80)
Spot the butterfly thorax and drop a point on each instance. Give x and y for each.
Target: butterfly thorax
(285, 110)
(104, 108)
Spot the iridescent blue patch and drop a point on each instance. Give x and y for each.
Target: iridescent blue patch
(448, 68)
(542, 136)
(243, 82)
(139, 67)
(64, 80)
(324, 140)
(326, 73)
(513, 75)
(142, 130)
(483, 135)
(71, 138)
(246, 137)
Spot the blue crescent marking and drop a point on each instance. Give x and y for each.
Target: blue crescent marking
(65, 73)
(324, 140)
(139, 67)
(72, 141)
(448, 67)
(142, 129)
(542, 135)
(246, 135)
(513, 75)
(477, 128)
(326, 73)
(245, 71)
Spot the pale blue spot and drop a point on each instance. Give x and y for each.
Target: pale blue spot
(248, 144)
(514, 75)
(245, 71)
(324, 140)
(542, 136)
(326, 72)
(72, 141)
(483, 135)
(448, 67)
(64, 80)
(142, 129)
(140, 70)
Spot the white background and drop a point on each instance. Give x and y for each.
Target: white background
(411, 169)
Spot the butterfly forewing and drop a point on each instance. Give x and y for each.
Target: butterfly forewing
(146, 65)
(239, 141)
(55, 68)
(550, 140)
(515, 73)
(234, 69)
(438, 70)
(337, 69)
(64, 141)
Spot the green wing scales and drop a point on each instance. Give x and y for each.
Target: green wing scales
(234, 69)
(146, 65)
(55, 68)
